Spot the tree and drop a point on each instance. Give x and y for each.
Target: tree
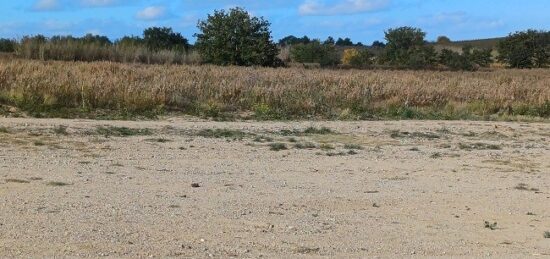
(406, 47)
(129, 41)
(378, 44)
(7, 45)
(236, 38)
(344, 42)
(329, 41)
(527, 49)
(315, 52)
(163, 38)
(357, 58)
(443, 40)
(293, 40)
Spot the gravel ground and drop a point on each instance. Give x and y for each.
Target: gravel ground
(193, 188)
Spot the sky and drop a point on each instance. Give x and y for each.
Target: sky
(360, 20)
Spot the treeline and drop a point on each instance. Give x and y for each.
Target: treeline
(248, 42)
(156, 46)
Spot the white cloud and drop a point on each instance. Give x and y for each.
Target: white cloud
(46, 5)
(152, 13)
(95, 3)
(317, 7)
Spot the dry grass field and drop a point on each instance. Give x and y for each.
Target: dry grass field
(68, 89)
(193, 188)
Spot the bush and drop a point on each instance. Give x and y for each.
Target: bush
(7, 45)
(236, 38)
(315, 52)
(454, 60)
(357, 58)
(157, 39)
(406, 48)
(527, 49)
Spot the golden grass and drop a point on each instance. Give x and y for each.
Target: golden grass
(273, 93)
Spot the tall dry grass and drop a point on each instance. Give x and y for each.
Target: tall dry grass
(273, 93)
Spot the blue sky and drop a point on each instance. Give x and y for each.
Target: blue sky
(361, 20)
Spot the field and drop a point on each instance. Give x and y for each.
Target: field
(181, 186)
(112, 90)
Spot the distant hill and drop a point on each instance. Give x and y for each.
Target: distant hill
(491, 43)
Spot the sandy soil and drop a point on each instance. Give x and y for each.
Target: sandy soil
(413, 188)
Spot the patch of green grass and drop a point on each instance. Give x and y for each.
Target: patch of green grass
(277, 146)
(479, 146)
(405, 134)
(16, 181)
(222, 133)
(122, 131)
(263, 139)
(4, 130)
(353, 146)
(325, 146)
(57, 184)
(60, 130)
(306, 145)
(318, 131)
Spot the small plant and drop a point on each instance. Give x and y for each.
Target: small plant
(525, 187)
(414, 149)
(4, 130)
(277, 146)
(57, 184)
(325, 146)
(222, 133)
(353, 146)
(292, 140)
(39, 143)
(122, 131)
(263, 139)
(436, 155)
(491, 226)
(318, 131)
(16, 181)
(306, 145)
(61, 130)
(478, 146)
(159, 140)
(546, 234)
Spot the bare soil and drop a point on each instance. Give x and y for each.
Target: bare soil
(193, 188)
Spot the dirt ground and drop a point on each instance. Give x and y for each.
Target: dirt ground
(193, 188)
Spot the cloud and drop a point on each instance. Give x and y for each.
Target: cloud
(317, 7)
(152, 13)
(98, 3)
(46, 5)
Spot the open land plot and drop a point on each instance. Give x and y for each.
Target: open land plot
(189, 187)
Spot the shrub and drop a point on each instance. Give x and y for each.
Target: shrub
(247, 42)
(357, 58)
(7, 45)
(315, 52)
(406, 47)
(157, 39)
(527, 49)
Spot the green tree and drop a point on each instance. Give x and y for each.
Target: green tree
(406, 47)
(236, 38)
(7, 45)
(526, 49)
(315, 52)
(164, 38)
(443, 40)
